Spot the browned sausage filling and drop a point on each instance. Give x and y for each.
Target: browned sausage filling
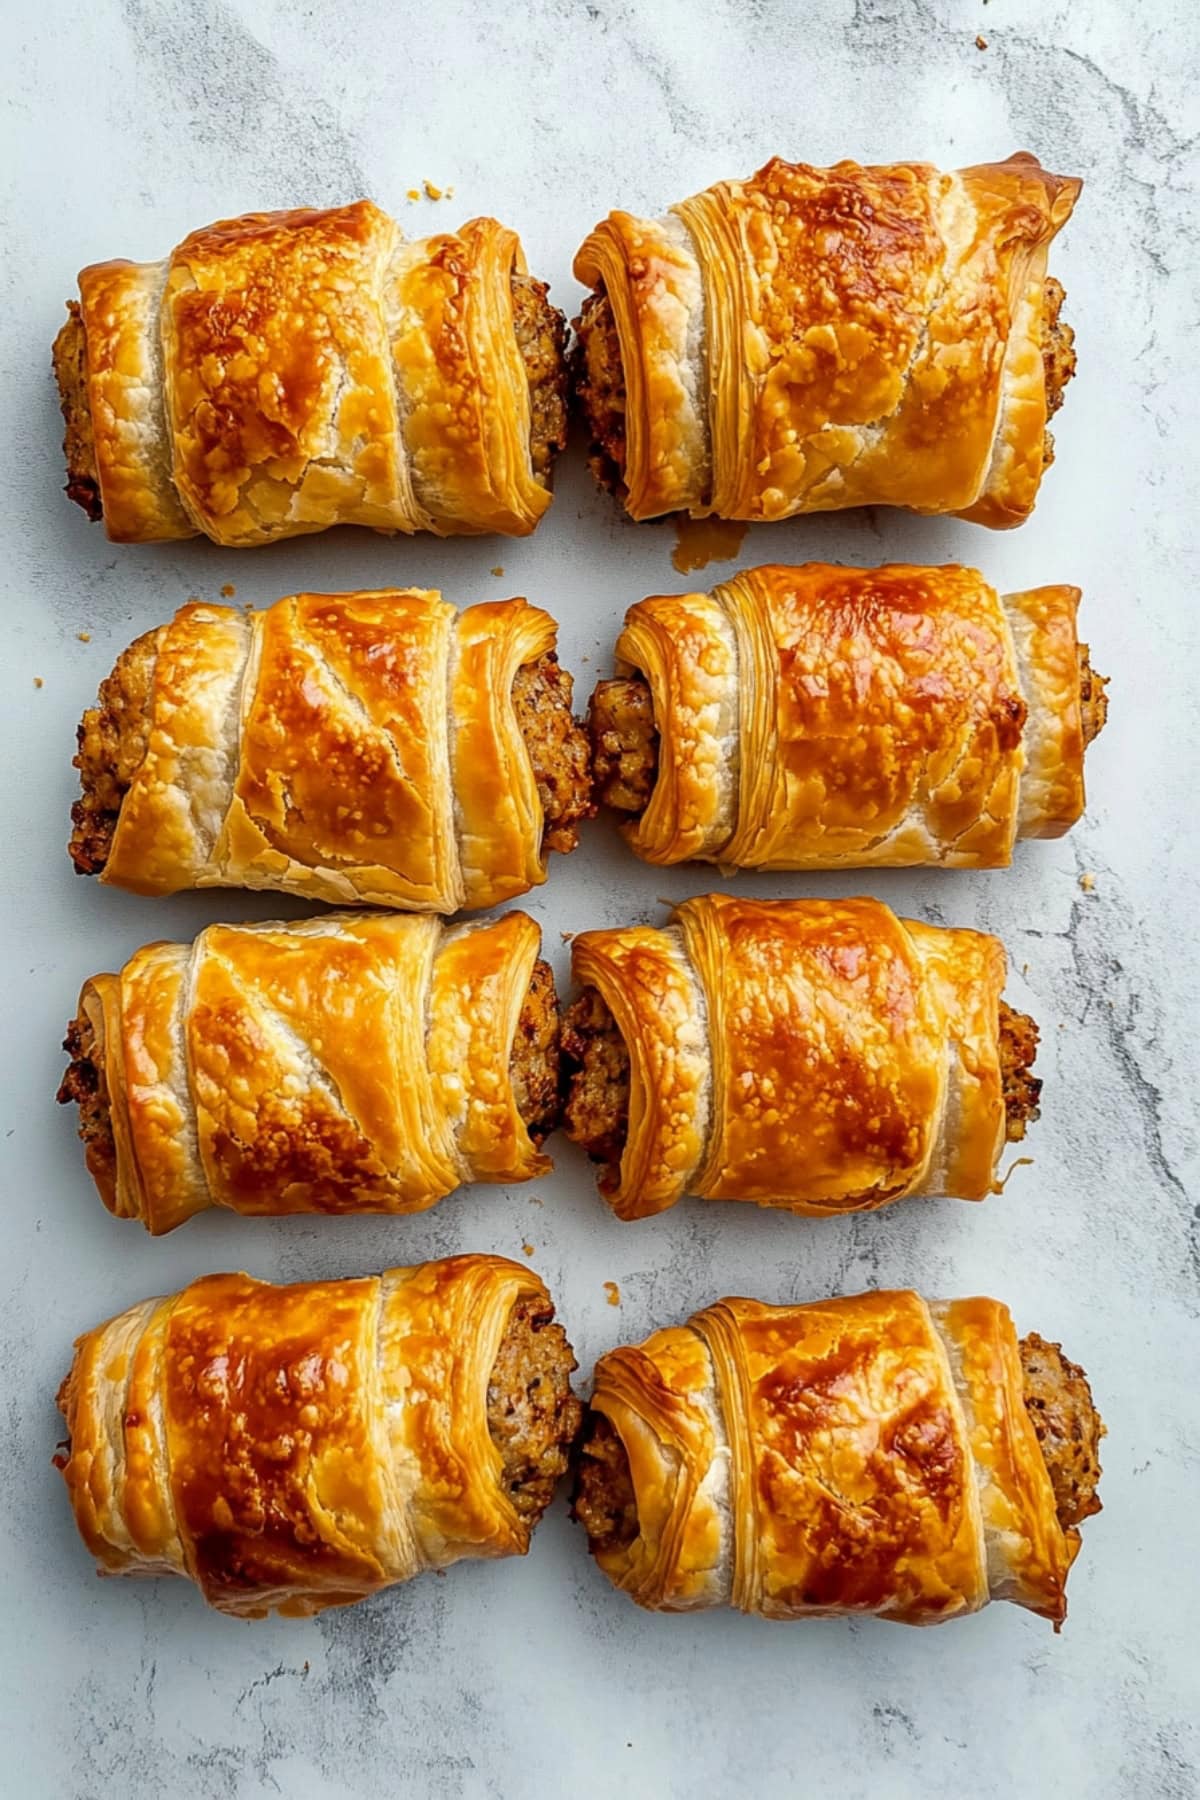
(1022, 1089)
(533, 1416)
(624, 744)
(558, 749)
(533, 1066)
(1059, 1401)
(596, 1109)
(542, 340)
(85, 1084)
(1092, 698)
(1058, 355)
(114, 733)
(600, 390)
(1056, 1395)
(541, 332)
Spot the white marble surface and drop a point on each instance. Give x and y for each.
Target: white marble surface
(126, 124)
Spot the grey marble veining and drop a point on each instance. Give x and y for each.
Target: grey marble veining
(127, 122)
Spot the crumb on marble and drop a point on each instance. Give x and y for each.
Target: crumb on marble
(228, 591)
(1087, 881)
(612, 1293)
(981, 43)
(38, 682)
(85, 637)
(566, 936)
(499, 569)
(528, 1249)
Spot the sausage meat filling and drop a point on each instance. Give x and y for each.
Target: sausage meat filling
(1056, 1395)
(1021, 1087)
(596, 1109)
(624, 744)
(558, 749)
(532, 1415)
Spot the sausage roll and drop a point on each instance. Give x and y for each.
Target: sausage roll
(283, 372)
(822, 1056)
(822, 717)
(372, 747)
(812, 339)
(293, 1448)
(877, 1454)
(351, 1063)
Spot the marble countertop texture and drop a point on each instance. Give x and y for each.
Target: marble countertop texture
(125, 124)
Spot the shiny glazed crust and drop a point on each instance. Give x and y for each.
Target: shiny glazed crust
(294, 1448)
(812, 339)
(865, 1455)
(827, 717)
(283, 372)
(350, 1063)
(357, 748)
(818, 1056)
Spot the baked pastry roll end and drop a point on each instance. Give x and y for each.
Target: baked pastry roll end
(818, 1056)
(283, 372)
(295, 1448)
(324, 747)
(811, 339)
(825, 717)
(876, 1454)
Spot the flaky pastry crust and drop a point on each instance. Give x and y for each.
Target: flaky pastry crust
(283, 372)
(359, 747)
(812, 339)
(295, 1448)
(818, 1056)
(868, 1455)
(349, 1063)
(826, 717)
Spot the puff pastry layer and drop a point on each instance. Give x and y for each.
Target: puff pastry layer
(352, 1063)
(358, 747)
(826, 717)
(872, 1454)
(812, 339)
(820, 1056)
(283, 372)
(295, 1448)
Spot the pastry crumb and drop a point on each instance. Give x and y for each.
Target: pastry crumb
(499, 569)
(612, 1293)
(1087, 881)
(434, 192)
(85, 637)
(228, 591)
(981, 43)
(38, 682)
(566, 936)
(528, 1249)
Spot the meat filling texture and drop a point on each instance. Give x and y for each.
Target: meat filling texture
(1093, 700)
(113, 735)
(625, 744)
(599, 379)
(541, 333)
(1021, 1087)
(558, 749)
(532, 1415)
(596, 1109)
(1057, 1398)
(85, 1084)
(533, 1066)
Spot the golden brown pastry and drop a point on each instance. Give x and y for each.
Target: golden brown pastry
(293, 1448)
(875, 1454)
(823, 717)
(350, 1063)
(283, 372)
(822, 1056)
(812, 339)
(373, 747)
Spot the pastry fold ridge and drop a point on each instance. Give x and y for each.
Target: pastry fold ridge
(295, 1448)
(345, 1064)
(811, 339)
(866, 1455)
(280, 373)
(353, 748)
(827, 717)
(819, 1056)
